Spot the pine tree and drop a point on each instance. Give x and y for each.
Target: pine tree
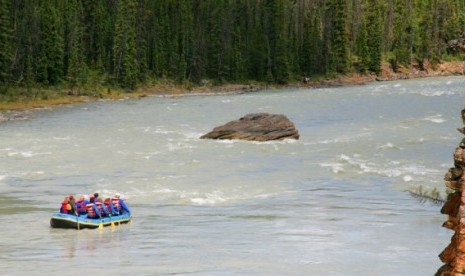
(316, 49)
(337, 41)
(278, 60)
(182, 40)
(374, 37)
(215, 53)
(127, 41)
(6, 32)
(98, 34)
(256, 50)
(311, 56)
(402, 33)
(424, 43)
(236, 57)
(158, 61)
(361, 49)
(198, 63)
(141, 38)
(26, 42)
(75, 66)
(126, 67)
(50, 56)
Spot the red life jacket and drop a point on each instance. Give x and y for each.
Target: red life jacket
(116, 203)
(90, 211)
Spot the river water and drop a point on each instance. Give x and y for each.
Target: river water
(332, 203)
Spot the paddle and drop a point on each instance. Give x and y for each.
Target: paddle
(100, 226)
(77, 218)
(112, 223)
(112, 211)
(77, 221)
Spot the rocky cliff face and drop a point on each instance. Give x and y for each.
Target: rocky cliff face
(453, 255)
(256, 127)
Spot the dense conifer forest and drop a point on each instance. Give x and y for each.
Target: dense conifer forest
(127, 43)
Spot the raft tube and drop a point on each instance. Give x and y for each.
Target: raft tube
(60, 220)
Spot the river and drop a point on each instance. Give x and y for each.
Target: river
(333, 202)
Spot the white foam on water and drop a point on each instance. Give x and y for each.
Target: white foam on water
(227, 141)
(333, 167)
(34, 175)
(290, 141)
(438, 119)
(62, 138)
(147, 155)
(109, 193)
(192, 135)
(198, 198)
(161, 130)
(178, 146)
(146, 129)
(389, 145)
(448, 138)
(407, 178)
(359, 166)
(420, 140)
(342, 139)
(436, 93)
(207, 201)
(27, 154)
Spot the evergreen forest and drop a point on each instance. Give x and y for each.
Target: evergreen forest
(129, 43)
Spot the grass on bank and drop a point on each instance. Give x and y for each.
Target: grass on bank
(21, 97)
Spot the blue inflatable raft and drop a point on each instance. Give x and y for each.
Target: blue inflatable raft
(60, 220)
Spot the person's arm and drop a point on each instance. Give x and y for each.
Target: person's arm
(105, 210)
(97, 210)
(74, 208)
(113, 208)
(124, 206)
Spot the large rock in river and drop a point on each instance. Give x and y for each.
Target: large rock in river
(256, 127)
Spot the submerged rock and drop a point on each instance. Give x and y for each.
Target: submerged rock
(14, 116)
(256, 127)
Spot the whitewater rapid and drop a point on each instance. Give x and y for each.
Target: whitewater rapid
(333, 202)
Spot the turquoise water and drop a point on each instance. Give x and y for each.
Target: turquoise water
(332, 203)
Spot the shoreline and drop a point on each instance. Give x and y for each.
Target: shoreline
(10, 112)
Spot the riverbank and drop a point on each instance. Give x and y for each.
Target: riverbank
(22, 109)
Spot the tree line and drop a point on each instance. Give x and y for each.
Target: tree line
(128, 42)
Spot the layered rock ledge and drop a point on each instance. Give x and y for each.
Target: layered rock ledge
(256, 127)
(453, 256)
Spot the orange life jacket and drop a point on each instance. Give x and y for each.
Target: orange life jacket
(65, 207)
(90, 211)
